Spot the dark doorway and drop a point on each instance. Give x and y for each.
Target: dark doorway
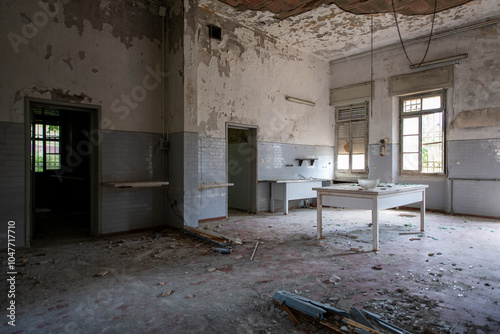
(60, 173)
(242, 168)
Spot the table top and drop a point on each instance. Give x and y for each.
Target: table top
(381, 189)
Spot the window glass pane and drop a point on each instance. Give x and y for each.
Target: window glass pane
(52, 131)
(432, 128)
(38, 155)
(343, 161)
(359, 129)
(344, 130)
(410, 161)
(412, 105)
(410, 126)
(358, 161)
(53, 161)
(432, 158)
(51, 147)
(38, 131)
(343, 147)
(410, 144)
(433, 102)
(358, 146)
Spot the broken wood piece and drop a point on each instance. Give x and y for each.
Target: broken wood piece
(209, 236)
(357, 316)
(283, 306)
(167, 293)
(331, 326)
(101, 273)
(239, 257)
(265, 280)
(255, 249)
(358, 325)
(413, 239)
(384, 323)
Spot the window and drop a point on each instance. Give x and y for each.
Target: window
(422, 133)
(45, 141)
(352, 137)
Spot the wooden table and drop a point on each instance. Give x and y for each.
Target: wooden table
(354, 197)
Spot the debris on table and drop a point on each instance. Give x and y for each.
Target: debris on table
(304, 310)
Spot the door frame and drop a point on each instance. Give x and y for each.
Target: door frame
(95, 165)
(253, 168)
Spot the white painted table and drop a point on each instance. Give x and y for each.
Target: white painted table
(380, 198)
(288, 190)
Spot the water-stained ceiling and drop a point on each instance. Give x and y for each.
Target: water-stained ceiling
(335, 29)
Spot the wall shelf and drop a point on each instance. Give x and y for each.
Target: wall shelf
(214, 185)
(135, 184)
(311, 160)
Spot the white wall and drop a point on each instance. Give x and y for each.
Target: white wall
(244, 79)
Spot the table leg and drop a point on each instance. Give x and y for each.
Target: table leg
(422, 212)
(375, 228)
(319, 212)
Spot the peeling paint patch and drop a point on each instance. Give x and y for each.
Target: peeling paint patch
(129, 19)
(477, 118)
(68, 62)
(66, 96)
(81, 54)
(49, 52)
(18, 97)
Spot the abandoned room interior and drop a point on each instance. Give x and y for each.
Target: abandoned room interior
(195, 166)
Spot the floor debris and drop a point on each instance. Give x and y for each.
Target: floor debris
(255, 249)
(301, 309)
(101, 273)
(212, 237)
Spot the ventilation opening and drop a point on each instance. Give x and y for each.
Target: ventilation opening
(215, 32)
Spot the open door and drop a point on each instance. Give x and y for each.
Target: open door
(63, 171)
(242, 167)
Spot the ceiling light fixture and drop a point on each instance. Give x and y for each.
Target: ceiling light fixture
(296, 100)
(440, 60)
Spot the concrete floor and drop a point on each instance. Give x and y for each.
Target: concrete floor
(446, 280)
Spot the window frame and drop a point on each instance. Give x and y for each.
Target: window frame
(45, 119)
(347, 173)
(403, 115)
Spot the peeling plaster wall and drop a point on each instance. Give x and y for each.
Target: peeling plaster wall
(98, 52)
(476, 81)
(473, 102)
(245, 77)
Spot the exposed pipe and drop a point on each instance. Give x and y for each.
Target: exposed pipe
(163, 118)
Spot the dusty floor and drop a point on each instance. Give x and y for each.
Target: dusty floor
(446, 279)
